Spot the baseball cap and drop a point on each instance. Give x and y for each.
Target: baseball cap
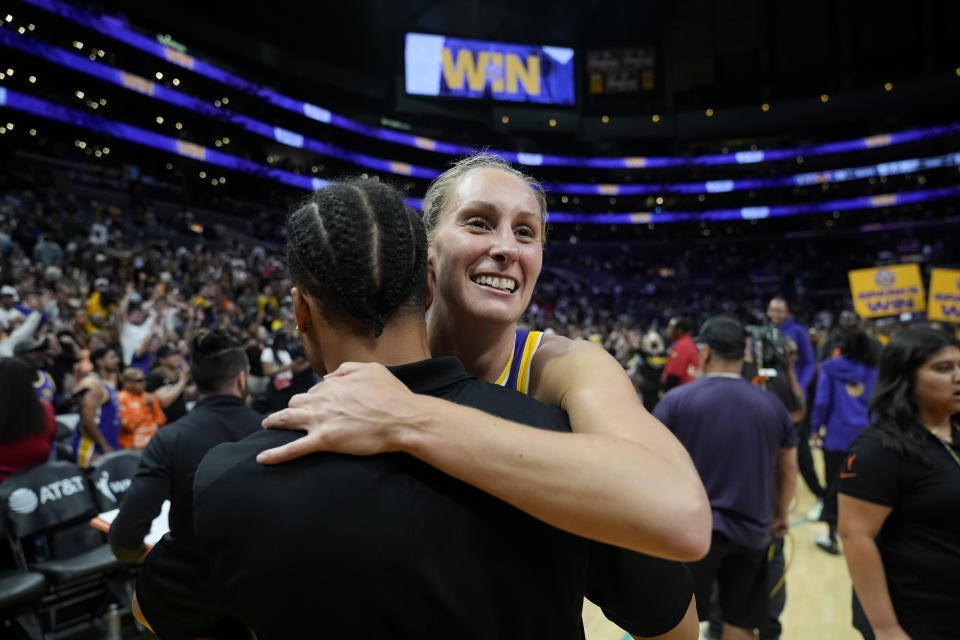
(724, 335)
(7, 290)
(167, 350)
(29, 344)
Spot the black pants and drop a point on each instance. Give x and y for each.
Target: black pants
(771, 629)
(805, 459)
(833, 461)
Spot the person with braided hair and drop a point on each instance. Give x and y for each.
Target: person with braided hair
(378, 543)
(621, 477)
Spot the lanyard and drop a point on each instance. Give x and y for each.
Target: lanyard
(946, 445)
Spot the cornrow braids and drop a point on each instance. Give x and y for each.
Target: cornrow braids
(360, 252)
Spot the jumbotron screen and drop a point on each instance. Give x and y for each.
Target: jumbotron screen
(461, 68)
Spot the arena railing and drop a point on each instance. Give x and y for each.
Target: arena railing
(116, 29)
(144, 86)
(43, 108)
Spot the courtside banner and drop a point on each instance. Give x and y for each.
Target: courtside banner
(887, 291)
(944, 295)
(461, 68)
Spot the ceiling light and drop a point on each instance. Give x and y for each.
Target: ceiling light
(709, 112)
(226, 140)
(888, 86)
(97, 153)
(159, 75)
(552, 122)
(203, 174)
(32, 79)
(159, 119)
(605, 119)
(505, 119)
(169, 166)
(9, 72)
(223, 180)
(216, 103)
(21, 30)
(9, 18)
(103, 102)
(79, 94)
(226, 100)
(2, 130)
(765, 107)
(106, 149)
(32, 132)
(824, 98)
(218, 143)
(77, 44)
(101, 52)
(176, 82)
(179, 126)
(10, 126)
(30, 27)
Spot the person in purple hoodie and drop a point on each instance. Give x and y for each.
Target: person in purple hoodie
(843, 396)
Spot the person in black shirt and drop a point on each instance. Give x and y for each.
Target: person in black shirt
(166, 469)
(384, 545)
(899, 502)
(168, 380)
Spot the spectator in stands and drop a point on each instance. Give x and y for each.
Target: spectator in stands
(844, 389)
(173, 453)
(168, 381)
(47, 252)
(140, 411)
(899, 501)
(8, 312)
(27, 424)
(485, 222)
(650, 361)
(744, 446)
(283, 370)
(33, 351)
(99, 427)
(251, 519)
(137, 319)
(683, 360)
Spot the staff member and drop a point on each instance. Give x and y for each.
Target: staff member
(900, 494)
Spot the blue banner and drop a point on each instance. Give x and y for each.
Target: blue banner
(462, 68)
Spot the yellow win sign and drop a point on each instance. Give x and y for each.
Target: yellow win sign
(944, 295)
(887, 291)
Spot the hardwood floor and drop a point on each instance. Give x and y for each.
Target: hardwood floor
(818, 585)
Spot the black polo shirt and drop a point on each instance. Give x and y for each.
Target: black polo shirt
(169, 462)
(919, 541)
(386, 546)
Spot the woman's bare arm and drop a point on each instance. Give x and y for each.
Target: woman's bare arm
(858, 523)
(596, 485)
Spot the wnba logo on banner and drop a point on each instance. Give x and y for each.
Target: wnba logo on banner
(944, 295)
(457, 67)
(887, 291)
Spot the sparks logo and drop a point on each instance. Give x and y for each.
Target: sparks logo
(848, 473)
(885, 278)
(854, 389)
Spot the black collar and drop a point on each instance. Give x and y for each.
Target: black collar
(430, 376)
(220, 400)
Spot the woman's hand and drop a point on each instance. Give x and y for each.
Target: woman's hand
(895, 633)
(359, 409)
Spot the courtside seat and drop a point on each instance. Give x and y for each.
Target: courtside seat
(48, 510)
(60, 570)
(20, 592)
(17, 587)
(111, 475)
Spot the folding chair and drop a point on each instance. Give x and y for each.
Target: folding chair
(111, 475)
